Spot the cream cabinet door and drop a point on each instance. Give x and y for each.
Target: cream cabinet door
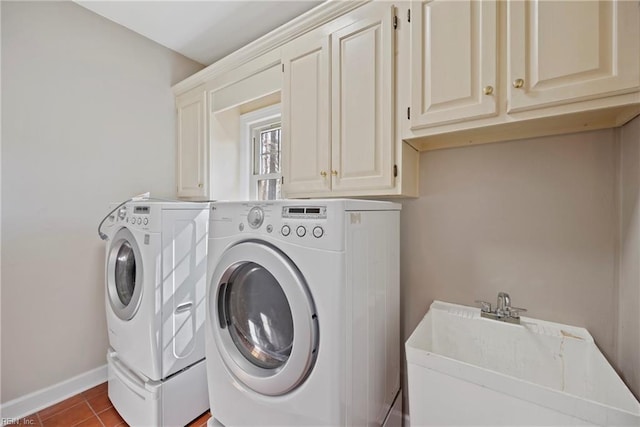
(362, 73)
(192, 155)
(306, 149)
(565, 51)
(454, 61)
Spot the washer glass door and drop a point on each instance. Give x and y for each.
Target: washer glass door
(263, 318)
(124, 275)
(259, 316)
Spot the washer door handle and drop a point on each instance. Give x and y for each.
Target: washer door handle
(185, 306)
(222, 315)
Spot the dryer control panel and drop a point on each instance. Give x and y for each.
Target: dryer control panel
(311, 223)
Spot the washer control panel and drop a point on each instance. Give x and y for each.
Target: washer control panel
(284, 220)
(137, 216)
(305, 220)
(317, 224)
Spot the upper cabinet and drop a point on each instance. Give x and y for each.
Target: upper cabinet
(565, 51)
(192, 152)
(362, 121)
(484, 71)
(306, 152)
(455, 64)
(338, 107)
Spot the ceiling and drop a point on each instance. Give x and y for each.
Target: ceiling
(204, 31)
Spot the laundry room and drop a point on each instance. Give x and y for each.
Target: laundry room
(431, 172)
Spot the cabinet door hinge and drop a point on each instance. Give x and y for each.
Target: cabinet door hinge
(395, 171)
(409, 15)
(408, 113)
(395, 22)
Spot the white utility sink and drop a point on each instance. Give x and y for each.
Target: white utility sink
(467, 370)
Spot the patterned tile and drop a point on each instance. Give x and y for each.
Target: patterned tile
(100, 402)
(111, 418)
(70, 417)
(90, 422)
(95, 391)
(59, 407)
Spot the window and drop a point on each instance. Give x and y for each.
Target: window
(261, 132)
(266, 177)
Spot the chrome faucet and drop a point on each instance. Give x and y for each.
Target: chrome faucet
(503, 312)
(504, 302)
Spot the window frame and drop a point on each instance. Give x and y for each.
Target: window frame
(250, 125)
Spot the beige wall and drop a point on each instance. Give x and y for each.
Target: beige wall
(628, 356)
(87, 118)
(535, 218)
(553, 221)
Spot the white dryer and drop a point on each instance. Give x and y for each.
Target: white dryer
(156, 261)
(303, 312)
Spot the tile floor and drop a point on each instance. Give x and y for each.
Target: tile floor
(91, 408)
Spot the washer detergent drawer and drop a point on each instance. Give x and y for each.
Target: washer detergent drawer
(174, 402)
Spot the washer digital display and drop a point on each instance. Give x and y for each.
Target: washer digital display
(304, 212)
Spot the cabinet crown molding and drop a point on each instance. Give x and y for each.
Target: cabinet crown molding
(304, 23)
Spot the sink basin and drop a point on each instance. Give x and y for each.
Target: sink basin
(467, 370)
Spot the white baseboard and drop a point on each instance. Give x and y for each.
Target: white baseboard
(38, 400)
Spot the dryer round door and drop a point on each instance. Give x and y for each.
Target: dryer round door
(263, 318)
(124, 275)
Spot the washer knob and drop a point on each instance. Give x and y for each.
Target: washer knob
(318, 232)
(301, 231)
(139, 221)
(145, 221)
(255, 217)
(285, 230)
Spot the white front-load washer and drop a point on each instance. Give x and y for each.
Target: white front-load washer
(303, 312)
(156, 259)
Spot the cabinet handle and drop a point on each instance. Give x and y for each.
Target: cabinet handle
(334, 173)
(323, 174)
(518, 83)
(199, 185)
(488, 90)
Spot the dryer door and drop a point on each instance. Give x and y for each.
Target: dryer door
(124, 275)
(263, 318)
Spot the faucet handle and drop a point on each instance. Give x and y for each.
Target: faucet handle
(515, 312)
(484, 306)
